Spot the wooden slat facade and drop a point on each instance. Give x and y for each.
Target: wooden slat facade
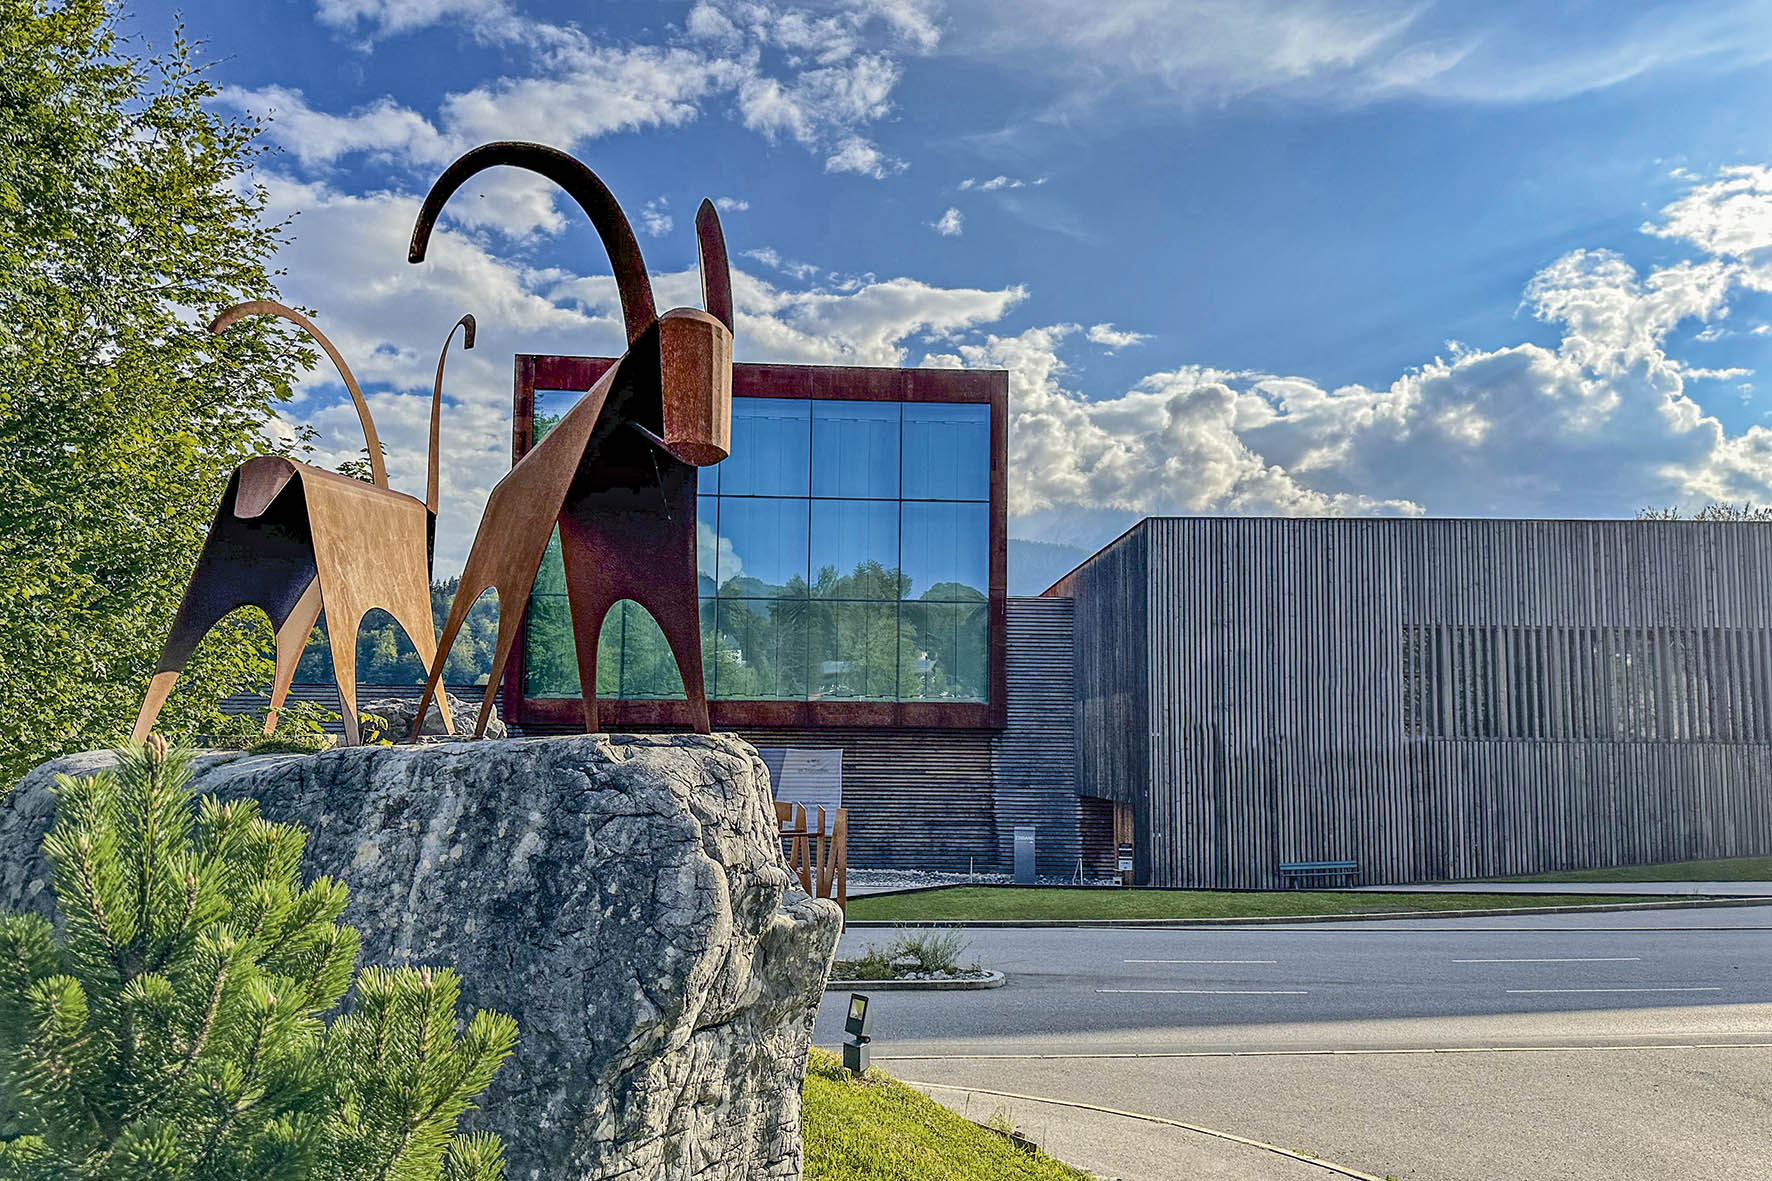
(1430, 698)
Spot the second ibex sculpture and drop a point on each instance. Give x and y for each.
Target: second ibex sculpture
(292, 540)
(618, 472)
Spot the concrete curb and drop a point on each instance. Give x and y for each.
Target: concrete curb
(1293, 920)
(991, 980)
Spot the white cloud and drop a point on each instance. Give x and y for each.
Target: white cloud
(731, 204)
(1112, 338)
(997, 182)
(1214, 51)
(949, 224)
(654, 218)
(817, 75)
(858, 155)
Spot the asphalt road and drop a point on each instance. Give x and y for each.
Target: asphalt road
(1571, 1046)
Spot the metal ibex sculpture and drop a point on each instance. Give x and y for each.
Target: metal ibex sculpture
(618, 472)
(294, 540)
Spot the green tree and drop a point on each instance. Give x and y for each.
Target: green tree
(1715, 511)
(127, 216)
(176, 1033)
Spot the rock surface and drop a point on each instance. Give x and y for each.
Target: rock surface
(623, 897)
(398, 713)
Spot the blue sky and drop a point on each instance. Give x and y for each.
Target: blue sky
(1292, 256)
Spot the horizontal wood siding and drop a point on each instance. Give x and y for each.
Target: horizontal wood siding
(1435, 698)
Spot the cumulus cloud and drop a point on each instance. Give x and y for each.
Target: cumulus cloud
(1112, 338)
(655, 218)
(731, 204)
(857, 155)
(817, 75)
(997, 182)
(1597, 423)
(950, 224)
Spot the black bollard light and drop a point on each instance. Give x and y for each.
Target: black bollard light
(858, 1031)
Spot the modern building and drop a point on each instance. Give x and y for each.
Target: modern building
(852, 556)
(1430, 699)
(1214, 697)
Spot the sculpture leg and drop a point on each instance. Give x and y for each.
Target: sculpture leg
(292, 637)
(408, 599)
(341, 633)
(465, 594)
(226, 577)
(681, 623)
(159, 689)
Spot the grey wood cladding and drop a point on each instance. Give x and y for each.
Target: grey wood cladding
(1432, 698)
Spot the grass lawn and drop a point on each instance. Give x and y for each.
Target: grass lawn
(877, 1129)
(1736, 869)
(964, 903)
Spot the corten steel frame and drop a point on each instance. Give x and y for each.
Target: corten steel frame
(826, 382)
(618, 473)
(293, 540)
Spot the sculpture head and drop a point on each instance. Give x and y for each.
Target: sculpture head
(694, 346)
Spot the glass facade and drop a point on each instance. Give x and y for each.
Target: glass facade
(843, 554)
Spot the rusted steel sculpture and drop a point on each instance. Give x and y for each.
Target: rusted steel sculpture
(618, 472)
(294, 540)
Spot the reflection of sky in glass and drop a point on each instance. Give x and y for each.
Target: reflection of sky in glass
(855, 449)
(947, 451)
(814, 485)
(765, 538)
(771, 448)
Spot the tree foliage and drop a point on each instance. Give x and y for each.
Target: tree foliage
(127, 218)
(176, 1032)
(1718, 511)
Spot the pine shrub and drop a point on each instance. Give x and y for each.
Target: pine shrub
(177, 1027)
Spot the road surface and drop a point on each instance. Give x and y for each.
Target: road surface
(1572, 1046)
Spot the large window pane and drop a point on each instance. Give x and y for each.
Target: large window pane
(550, 666)
(762, 547)
(707, 545)
(763, 649)
(648, 670)
(855, 651)
(944, 652)
(947, 451)
(855, 449)
(771, 448)
(855, 549)
(550, 406)
(945, 550)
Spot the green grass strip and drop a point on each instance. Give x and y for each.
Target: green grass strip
(875, 1128)
(1734, 869)
(956, 904)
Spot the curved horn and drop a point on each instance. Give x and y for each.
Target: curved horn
(716, 275)
(582, 185)
(270, 307)
(466, 324)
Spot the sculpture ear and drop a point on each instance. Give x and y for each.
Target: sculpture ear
(583, 186)
(716, 276)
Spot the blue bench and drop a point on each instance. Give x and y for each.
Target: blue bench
(1295, 873)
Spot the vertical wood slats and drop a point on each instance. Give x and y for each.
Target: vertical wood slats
(1242, 681)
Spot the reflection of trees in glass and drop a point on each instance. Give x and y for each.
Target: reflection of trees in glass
(850, 639)
(385, 655)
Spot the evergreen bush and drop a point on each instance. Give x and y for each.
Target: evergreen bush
(176, 1027)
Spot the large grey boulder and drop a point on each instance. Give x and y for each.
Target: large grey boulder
(623, 897)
